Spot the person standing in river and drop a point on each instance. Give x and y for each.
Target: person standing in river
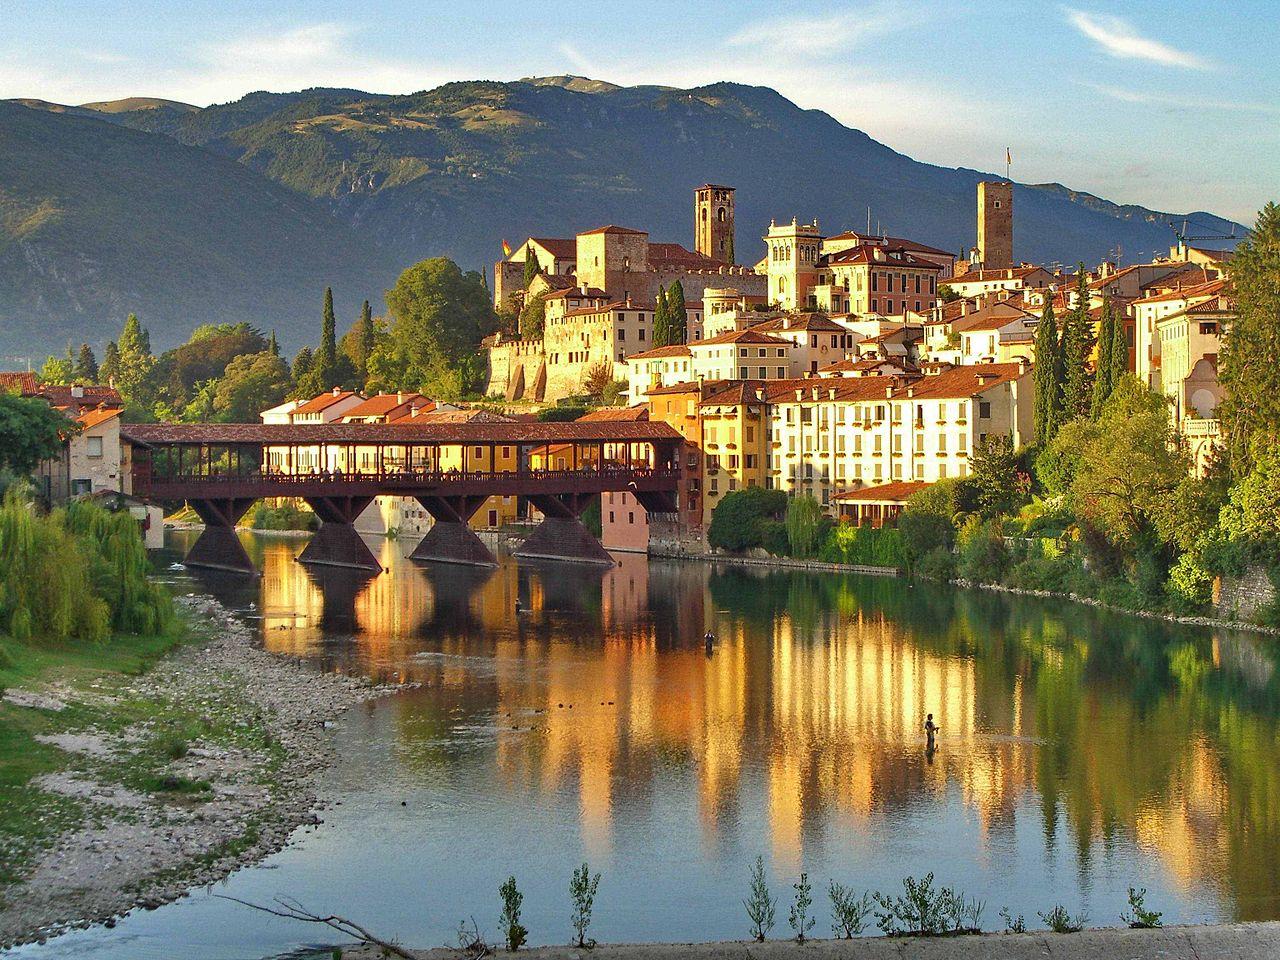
(931, 732)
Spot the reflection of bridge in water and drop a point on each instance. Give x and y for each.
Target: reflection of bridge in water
(221, 470)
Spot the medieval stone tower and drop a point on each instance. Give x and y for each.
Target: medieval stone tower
(713, 222)
(995, 224)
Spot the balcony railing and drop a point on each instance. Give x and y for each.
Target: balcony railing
(1197, 427)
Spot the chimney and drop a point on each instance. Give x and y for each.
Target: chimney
(1022, 365)
(337, 391)
(77, 390)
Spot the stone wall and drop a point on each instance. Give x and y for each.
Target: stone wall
(1241, 598)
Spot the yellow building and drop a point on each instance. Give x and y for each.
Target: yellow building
(734, 441)
(1190, 341)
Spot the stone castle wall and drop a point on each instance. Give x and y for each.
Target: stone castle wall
(1241, 598)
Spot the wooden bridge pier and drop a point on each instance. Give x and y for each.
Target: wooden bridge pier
(218, 547)
(336, 543)
(451, 539)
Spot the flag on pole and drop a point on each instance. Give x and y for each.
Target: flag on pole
(506, 249)
(1008, 157)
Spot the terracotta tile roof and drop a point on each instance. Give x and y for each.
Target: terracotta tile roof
(1185, 275)
(60, 394)
(1009, 273)
(889, 257)
(591, 293)
(23, 383)
(967, 381)
(1188, 292)
(897, 492)
(674, 254)
(900, 243)
(993, 318)
(688, 386)
(457, 416)
(733, 393)
(613, 228)
(671, 350)
(92, 418)
(324, 401)
(405, 432)
(826, 389)
(615, 414)
(801, 321)
(562, 248)
(385, 404)
(750, 335)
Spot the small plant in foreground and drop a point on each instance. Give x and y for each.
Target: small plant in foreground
(1010, 924)
(1139, 916)
(759, 904)
(512, 929)
(848, 912)
(799, 919)
(471, 941)
(925, 911)
(582, 890)
(1059, 921)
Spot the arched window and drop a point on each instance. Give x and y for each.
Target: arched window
(720, 214)
(704, 214)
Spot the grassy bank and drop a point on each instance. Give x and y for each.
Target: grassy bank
(30, 817)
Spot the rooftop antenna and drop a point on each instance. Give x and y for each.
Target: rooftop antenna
(1008, 161)
(868, 218)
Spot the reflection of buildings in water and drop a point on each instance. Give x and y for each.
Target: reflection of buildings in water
(290, 601)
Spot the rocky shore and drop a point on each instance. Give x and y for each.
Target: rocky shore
(179, 776)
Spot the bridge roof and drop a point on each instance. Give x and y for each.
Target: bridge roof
(401, 432)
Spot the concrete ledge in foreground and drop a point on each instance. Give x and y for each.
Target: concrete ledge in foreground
(1232, 941)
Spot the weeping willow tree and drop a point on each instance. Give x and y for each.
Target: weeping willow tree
(76, 573)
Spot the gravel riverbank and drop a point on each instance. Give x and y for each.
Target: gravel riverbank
(203, 764)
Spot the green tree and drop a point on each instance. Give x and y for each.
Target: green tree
(86, 365)
(531, 270)
(134, 363)
(1077, 393)
(110, 362)
(1128, 466)
(327, 353)
(1253, 512)
(1102, 375)
(1247, 367)
(946, 294)
(661, 320)
(303, 363)
(30, 431)
(439, 315)
(273, 344)
(56, 370)
(533, 317)
(366, 337)
(251, 384)
(1047, 376)
(739, 520)
(998, 482)
(1119, 354)
(677, 314)
(805, 526)
(179, 373)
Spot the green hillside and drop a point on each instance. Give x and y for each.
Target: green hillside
(97, 220)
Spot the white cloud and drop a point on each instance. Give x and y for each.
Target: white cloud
(307, 44)
(1126, 95)
(1118, 38)
(824, 36)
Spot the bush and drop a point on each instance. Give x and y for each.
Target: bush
(983, 553)
(938, 564)
(735, 524)
(1190, 585)
(759, 903)
(806, 525)
(924, 532)
(848, 912)
(923, 910)
(867, 546)
(1059, 921)
(282, 515)
(582, 891)
(772, 535)
(513, 931)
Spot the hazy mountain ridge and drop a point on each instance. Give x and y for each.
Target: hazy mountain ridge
(454, 170)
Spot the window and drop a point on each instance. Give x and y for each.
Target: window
(984, 409)
(95, 446)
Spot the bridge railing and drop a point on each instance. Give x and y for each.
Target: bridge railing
(409, 478)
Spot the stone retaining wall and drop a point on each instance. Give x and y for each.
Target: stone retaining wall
(1241, 598)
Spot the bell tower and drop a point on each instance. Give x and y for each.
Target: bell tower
(713, 222)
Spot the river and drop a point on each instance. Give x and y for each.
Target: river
(570, 714)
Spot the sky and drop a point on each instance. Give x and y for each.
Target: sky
(1171, 105)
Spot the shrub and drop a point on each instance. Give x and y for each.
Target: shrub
(759, 902)
(1190, 586)
(805, 522)
(983, 553)
(848, 912)
(923, 532)
(282, 515)
(923, 910)
(772, 535)
(937, 564)
(799, 918)
(870, 546)
(735, 524)
(582, 891)
(513, 931)
(1059, 921)
(1138, 916)
(1012, 925)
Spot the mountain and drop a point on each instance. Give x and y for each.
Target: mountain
(98, 220)
(454, 170)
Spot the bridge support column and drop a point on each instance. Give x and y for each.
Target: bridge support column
(561, 535)
(450, 539)
(218, 547)
(336, 543)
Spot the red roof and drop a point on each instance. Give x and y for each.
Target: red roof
(750, 335)
(324, 401)
(414, 431)
(897, 492)
(91, 418)
(384, 404)
(900, 243)
(591, 293)
(558, 247)
(889, 257)
(60, 394)
(614, 228)
(1187, 293)
(615, 414)
(671, 350)
(674, 254)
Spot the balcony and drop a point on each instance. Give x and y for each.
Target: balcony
(1196, 427)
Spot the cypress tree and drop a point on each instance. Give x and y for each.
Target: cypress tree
(273, 345)
(86, 368)
(661, 321)
(1119, 353)
(328, 352)
(303, 364)
(364, 340)
(531, 269)
(1045, 377)
(677, 315)
(110, 368)
(1074, 353)
(1102, 383)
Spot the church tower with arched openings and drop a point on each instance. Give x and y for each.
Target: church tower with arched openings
(713, 222)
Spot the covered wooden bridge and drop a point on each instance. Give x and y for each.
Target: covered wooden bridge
(451, 469)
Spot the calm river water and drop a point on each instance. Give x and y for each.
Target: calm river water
(1080, 753)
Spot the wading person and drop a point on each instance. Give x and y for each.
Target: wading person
(931, 733)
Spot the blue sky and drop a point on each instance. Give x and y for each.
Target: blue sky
(1171, 105)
